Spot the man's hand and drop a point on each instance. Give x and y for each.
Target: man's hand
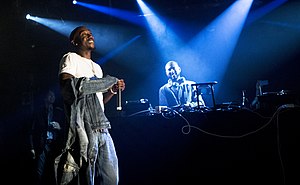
(55, 125)
(119, 85)
(32, 153)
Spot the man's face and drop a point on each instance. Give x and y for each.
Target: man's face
(86, 40)
(50, 97)
(173, 71)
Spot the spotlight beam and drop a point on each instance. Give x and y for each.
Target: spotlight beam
(165, 38)
(118, 50)
(120, 14)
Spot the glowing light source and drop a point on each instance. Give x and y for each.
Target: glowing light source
(28, 16)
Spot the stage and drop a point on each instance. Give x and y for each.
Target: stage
(236, 147)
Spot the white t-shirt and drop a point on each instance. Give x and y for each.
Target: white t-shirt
(79, 67)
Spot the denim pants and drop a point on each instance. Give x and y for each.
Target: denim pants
(103, 161)
(44, 173)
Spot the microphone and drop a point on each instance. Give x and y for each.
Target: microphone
(243, 97)
(119, 106)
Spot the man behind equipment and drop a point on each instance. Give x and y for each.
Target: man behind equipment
(178, 91)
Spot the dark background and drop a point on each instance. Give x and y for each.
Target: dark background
(30, 54)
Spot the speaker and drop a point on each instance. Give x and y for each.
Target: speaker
(269, 102)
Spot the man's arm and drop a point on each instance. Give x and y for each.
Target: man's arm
(162, 98)
(65, 76)
(66, 87)
(65, 84)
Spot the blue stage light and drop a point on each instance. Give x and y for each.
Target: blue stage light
(28, 16)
